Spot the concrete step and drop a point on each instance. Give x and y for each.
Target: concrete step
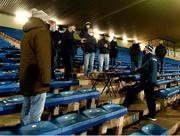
(141, 106)
(10, 120)
(168, 119)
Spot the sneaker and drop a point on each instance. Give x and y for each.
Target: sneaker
(152, 118)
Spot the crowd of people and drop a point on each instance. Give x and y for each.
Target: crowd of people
(43, 49)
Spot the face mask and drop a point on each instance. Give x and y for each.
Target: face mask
(91, 34)
(88, 26)
(53, 28)
(115, 40)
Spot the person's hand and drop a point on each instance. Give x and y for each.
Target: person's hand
(59, 42)
(83, 40)
(106, 45)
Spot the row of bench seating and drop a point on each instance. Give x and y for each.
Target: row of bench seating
(14, 75)
(13, 104)
(72, 123)
(150, 129)
(15, 33)
(136, 77)
(168, 92)
(14, 87)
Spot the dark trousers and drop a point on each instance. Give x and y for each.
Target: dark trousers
(113, 61)
(134, 65)
(52, 67)
(68, 63)
(149, 95)
(160, 64)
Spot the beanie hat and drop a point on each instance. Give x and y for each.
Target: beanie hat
(88, 23)
(39, 14)
(149, 47)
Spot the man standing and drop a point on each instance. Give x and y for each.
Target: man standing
(148, 72)
(104, 50)
(160, 53)
(35, 66)
(113, 51)
(134, 52)
(68, 43)
(89, 49)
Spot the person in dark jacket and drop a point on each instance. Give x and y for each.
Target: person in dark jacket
(113, 51)
(35, 66)
(104, 50)
(148, 72)
(68, 43)
(84, 31)
(89, 52)
(61, 30)
(134, 52)
(160, 53)
(56, 38)
(54, 41)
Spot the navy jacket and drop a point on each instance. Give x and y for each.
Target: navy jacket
(148, 69)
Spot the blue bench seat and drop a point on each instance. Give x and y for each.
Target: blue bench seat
(151, 129)
(13, 104)
(14, 87)
(9, 76)
(9, 66)
(168, 92)
(73, 123)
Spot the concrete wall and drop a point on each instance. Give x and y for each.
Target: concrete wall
(9, 21)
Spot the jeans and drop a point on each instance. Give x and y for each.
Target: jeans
(88, 62)
(113, 61)
(32, 108)
(103, 58)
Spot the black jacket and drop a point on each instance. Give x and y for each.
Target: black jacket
(113, 51)
(102, 49)
(160, 51)
(55, 38)
(134, 52)
(148, 69)
(90, 45)
(84, 32)
(68, 43)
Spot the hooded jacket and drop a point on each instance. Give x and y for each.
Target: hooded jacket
(90, 45)
(35, 61)
(148, 70)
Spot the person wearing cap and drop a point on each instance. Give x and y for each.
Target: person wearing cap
(160, 53)
(148, 79)
(84, 31)
(35, 66)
